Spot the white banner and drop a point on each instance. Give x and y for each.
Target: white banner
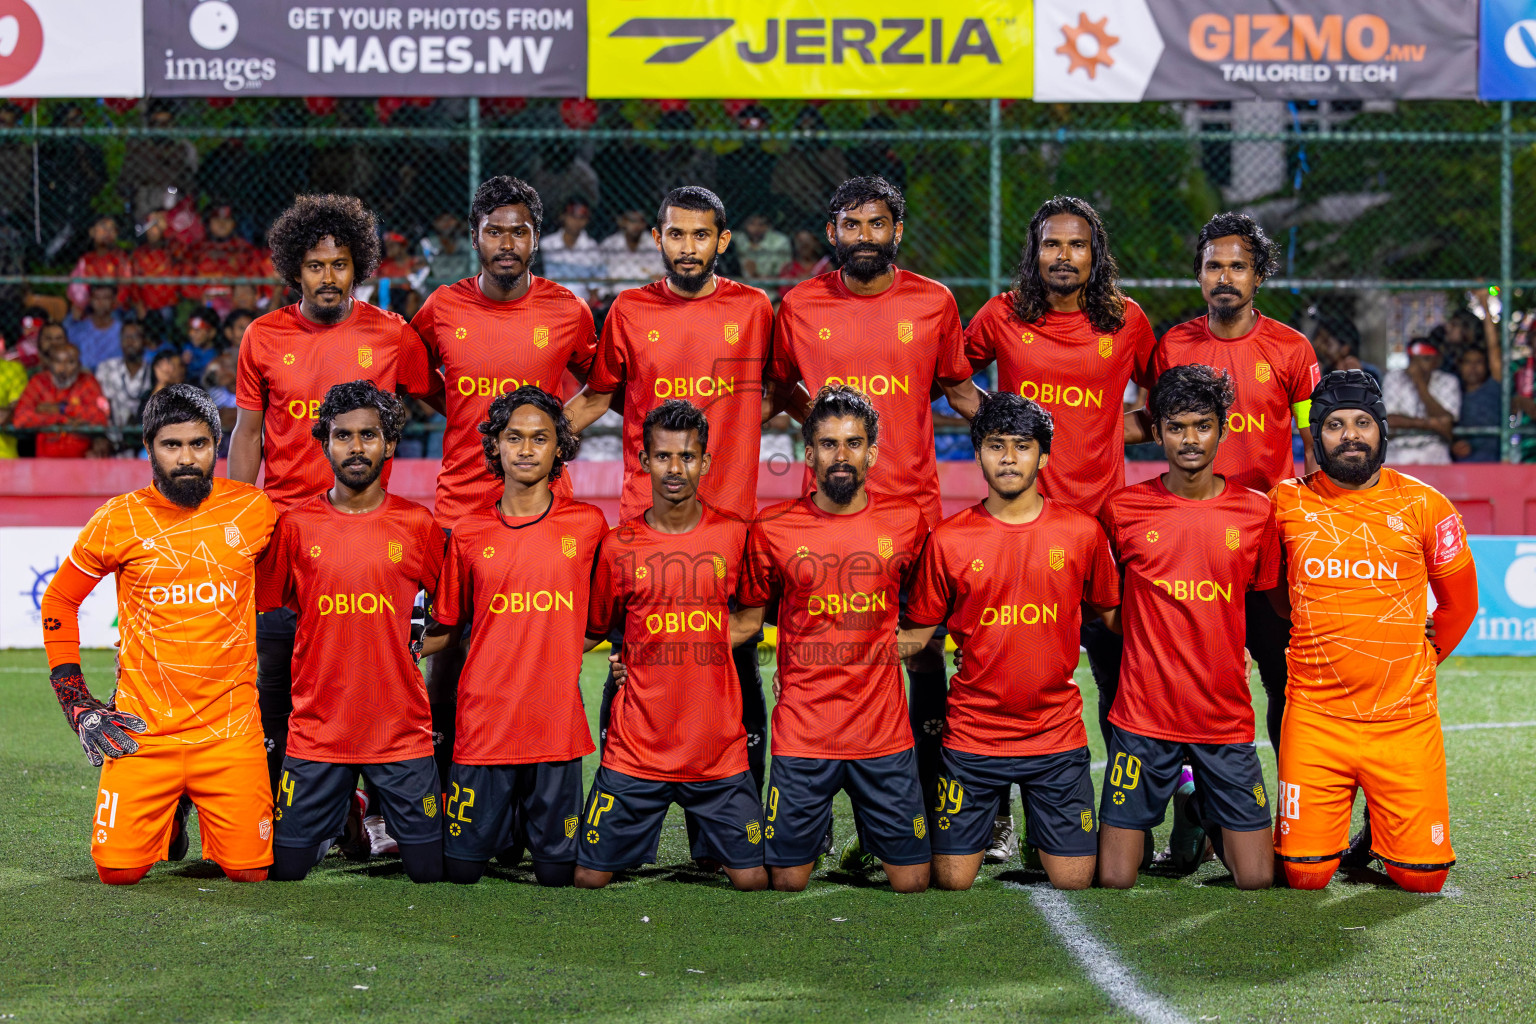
(71, 48)
(29, 556)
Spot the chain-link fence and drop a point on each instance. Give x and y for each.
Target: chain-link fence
(1396, 218)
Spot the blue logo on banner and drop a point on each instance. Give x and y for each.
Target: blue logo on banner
(1506, 52)
(1506, 597)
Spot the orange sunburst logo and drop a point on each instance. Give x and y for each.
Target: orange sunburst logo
(1099, 42)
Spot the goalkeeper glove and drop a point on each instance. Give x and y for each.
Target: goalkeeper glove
(99, 727)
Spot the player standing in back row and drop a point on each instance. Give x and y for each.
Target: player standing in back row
(321, 246)
(1065, 336)
(1361, 543)
(895, 336)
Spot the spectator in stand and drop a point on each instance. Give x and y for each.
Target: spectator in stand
(105, 258)
(71, 171)
(762, 250)
(25, 351)
(1336, 340)
(571, 258)
(97, 334)
(153, 257)
(1423, 403)
(222, 254)
(449, 259)
(1481, 404)
(158, 171)
(233, 331)
(165, 369)
(125, 380)
(219, 382)
(202, 341)
(49, 338)
(810, 259)
(65, 396)
(13, 381)
(630, 256)
(398, 265)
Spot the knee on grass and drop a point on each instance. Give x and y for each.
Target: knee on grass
(1311, 874)
(122, 876)
(423, 861)
(1418, 880)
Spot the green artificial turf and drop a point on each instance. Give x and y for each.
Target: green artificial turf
(665, 944)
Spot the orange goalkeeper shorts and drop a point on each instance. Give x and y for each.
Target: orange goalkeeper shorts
(226, 779)
(1399, 764)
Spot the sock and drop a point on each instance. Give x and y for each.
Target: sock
(929, 698)
(554, 875)
(423, 861)
(244, 874)
(1311, 874)
(122, 876)
(1417, 879)
(463, 872)
(291, 864)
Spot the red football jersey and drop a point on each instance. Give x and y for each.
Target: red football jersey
(677, 718)
(1078, 376)
(1013, 596)
(710, 351)
(1187, 567)
(358, 697)
(485, 349)
(523, 584)
(893, 347)
(1273, 368)
(287, 363)
(839, 579)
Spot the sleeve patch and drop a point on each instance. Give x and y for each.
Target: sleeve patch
(1449, 539)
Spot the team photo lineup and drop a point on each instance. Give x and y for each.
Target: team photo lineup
(311, 662)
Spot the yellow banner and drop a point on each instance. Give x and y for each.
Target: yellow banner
(784, 49)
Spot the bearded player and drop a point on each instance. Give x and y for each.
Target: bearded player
(838, 560)
(675, 734)
(491, 334)
(1190, 545)
(350, 563)
(183, 720)
(1012, 575)
(895, 336)
(1274, 370)
(697, 336)
(1363, 542)
(520, 569)
(321, 246)
(1066, 336)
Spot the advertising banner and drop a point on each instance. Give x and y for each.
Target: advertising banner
(1506, 605)
(29, 556)
(1131, 50)
(71, 48)
(1506, 54)
(691, 49)
(280, 48)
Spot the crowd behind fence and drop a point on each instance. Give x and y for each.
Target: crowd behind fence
(1397, 220)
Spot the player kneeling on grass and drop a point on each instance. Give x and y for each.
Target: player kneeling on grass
(837, 560)
(350, 562)
(1363, 543)
(521, 570)
(183, 551)
(1012, 574)
(1190, 544)
(675, 733)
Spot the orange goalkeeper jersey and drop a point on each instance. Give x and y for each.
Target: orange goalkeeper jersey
(186, 606)
(1358, 564)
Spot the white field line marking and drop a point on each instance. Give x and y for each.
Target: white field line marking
(1106, 970)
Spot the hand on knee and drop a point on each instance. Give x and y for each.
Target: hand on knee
(1417, 879)
(122, 876)
(1311, 874)
(244, 874)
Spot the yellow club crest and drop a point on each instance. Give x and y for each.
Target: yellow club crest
(904, 331)
(885, 547)
(1058, 558)
(1106, 346)
(754, 832)
(570, 826)
(719, 566)
(919, 826)
(568, 546)
(396, 551)
(1087, 819)
(1258, 794)
(1233, 538)
(429, 804)
(732, 333)
(1262, 372)
(540, 336)
(364, 356)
